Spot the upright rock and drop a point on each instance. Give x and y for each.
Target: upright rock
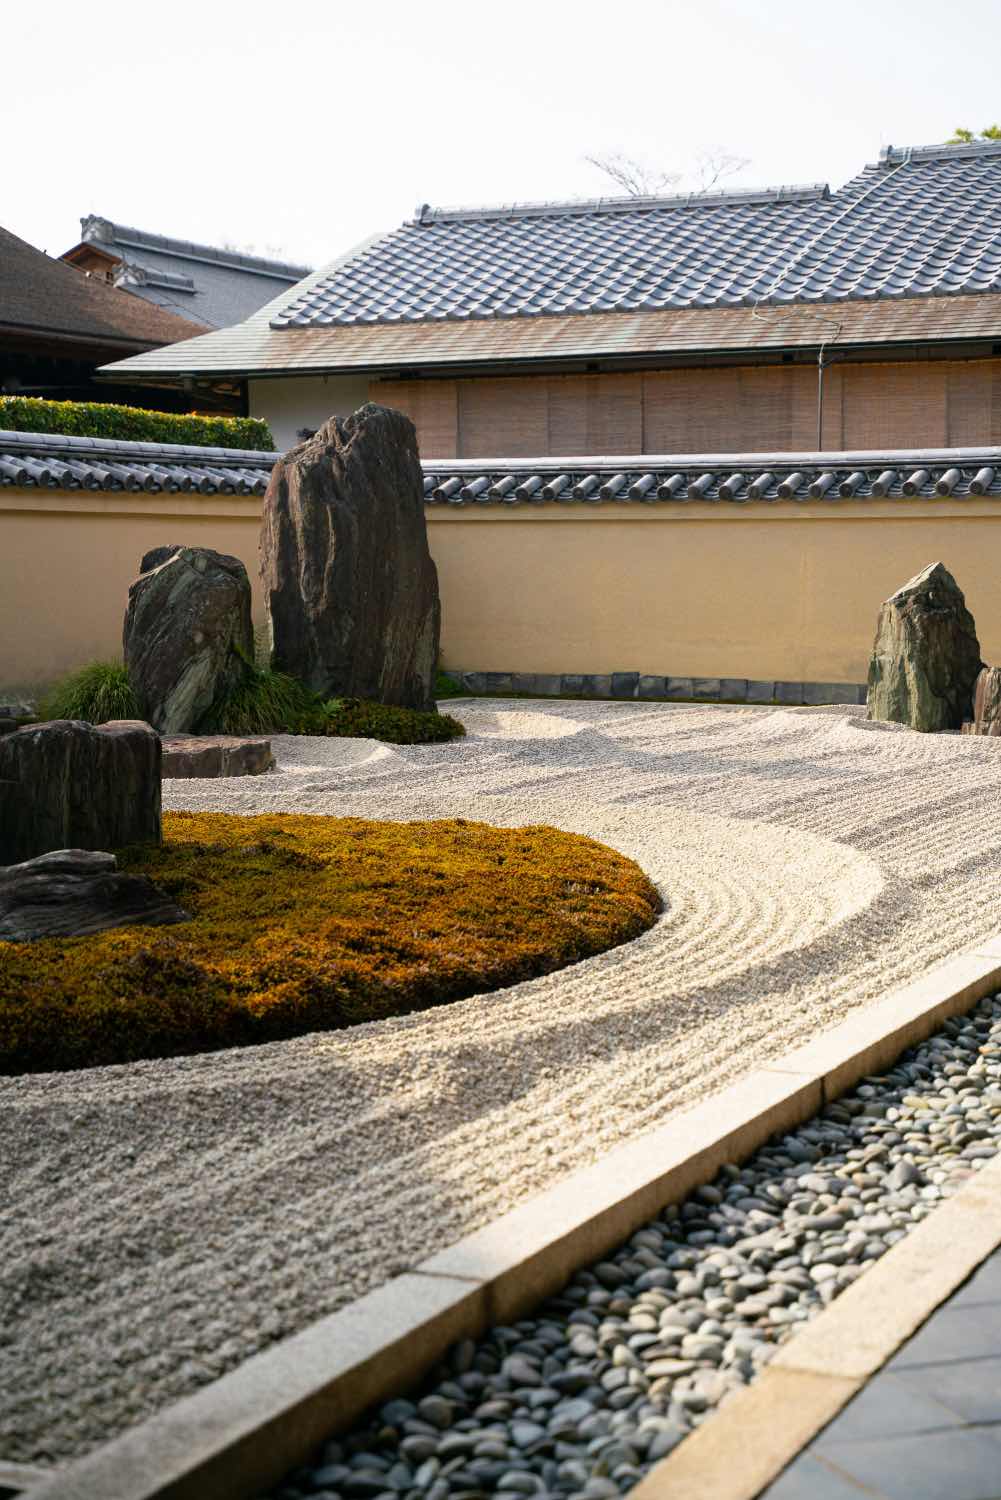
(188, 635)
(351, 590)
(926, 655)
(69, 785)
(986, 704)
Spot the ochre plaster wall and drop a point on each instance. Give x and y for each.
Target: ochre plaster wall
(785, 592)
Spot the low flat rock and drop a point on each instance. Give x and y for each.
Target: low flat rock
(73, 892)
(187, 756)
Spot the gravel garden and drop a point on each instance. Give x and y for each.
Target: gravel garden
(194, 1184)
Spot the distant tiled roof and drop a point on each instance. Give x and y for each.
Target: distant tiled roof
(908, 251)
(47, 461)
(917, 223)
(29, 459)
(40, 295)
(219, 287)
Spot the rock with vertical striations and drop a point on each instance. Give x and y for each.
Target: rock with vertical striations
(188, 635)
(69, 785)
(986, 704)
(350, 587)
(926, 656)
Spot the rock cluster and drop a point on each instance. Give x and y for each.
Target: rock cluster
(926, 656)
(188, 634)
(72, 892)
(350, 587)
(606, 1378)
(71, 785)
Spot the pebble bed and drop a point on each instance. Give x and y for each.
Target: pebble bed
(583, 1398)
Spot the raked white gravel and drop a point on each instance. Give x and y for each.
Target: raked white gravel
(165, 1220)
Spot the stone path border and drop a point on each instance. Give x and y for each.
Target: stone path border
(760, 1430)
(246, 1430)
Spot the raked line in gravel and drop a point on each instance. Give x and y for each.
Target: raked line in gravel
(171, 1218)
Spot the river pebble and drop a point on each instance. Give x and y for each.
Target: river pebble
(583, 1398)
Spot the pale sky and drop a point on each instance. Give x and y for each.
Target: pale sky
(299, 128)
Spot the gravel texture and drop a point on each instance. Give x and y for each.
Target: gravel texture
(171, 1218)
(583, 1398)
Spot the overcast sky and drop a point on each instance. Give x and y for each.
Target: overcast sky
(300, 128)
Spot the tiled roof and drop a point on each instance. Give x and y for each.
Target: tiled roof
(218, 287)
(917, 223)
(47, 461)
(29, 460)
(734, 478)
(252, 348)
(43, 296)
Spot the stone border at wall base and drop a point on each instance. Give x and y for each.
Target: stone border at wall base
(244, 1432)
(626, 686)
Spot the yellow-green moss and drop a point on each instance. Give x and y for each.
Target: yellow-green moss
(310, 923)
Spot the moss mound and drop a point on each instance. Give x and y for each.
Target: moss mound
(306, 923)
(355, 719)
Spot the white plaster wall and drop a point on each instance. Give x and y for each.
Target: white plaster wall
(288, 402)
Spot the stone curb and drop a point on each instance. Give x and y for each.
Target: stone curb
(245, 1431)
(634, 686)
(760, 1430)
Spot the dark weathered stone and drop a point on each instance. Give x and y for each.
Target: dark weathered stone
(926, 656)
(188, 635)
(986, 704)
(215, 755)
(624, 684)
(7, 726)
(71, 892)
(350, 587)
(70, 785)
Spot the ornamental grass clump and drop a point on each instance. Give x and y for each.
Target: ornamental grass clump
(303, 923)
(96, 693)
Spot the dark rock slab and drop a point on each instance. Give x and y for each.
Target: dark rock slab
(215, 755)
(70, 785)
(350, 587)
(188, 635)
(71, 892)
(926, 656)
(986, 704)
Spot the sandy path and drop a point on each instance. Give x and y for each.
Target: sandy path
(165, 1220)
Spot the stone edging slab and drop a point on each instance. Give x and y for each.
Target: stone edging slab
(762, 1428)
(629, 686)
(240, 1434)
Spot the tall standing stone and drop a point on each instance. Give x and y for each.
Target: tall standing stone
(350, 587)
(926, 655)
(188, 635)
(71, 785)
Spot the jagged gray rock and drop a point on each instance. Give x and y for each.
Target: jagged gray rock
(71, 785)
(926, 655)
(350, 587)
(188, 635)
(71, 892)
(986, 704)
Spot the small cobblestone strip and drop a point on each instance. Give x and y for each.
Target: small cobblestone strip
(583, 1398)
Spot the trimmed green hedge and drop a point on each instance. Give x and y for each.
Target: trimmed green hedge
(131, 423)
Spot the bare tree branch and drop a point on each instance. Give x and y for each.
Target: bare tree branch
(632, 176)
(640, 180)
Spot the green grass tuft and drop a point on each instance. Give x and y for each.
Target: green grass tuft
(355, 719)
(270, 702)
(96, 693)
